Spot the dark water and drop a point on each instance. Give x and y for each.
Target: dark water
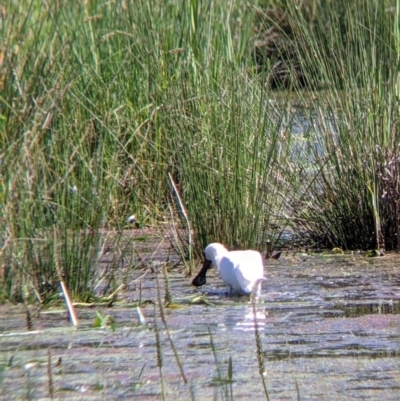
(329, 329)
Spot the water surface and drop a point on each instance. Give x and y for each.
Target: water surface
(329, 327)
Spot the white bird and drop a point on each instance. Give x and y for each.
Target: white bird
(241, 271)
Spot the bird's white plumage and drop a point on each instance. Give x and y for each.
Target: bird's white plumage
(241, 271)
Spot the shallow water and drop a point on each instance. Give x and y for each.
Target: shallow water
(329, 327)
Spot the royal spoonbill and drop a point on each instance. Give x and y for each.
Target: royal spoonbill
(241, 271)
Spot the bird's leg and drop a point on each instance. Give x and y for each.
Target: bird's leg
(256, 291)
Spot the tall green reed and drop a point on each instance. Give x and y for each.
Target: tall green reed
(99, 101)
(347, 53)
(103, 102)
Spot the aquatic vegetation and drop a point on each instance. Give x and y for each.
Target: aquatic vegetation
(106, 105)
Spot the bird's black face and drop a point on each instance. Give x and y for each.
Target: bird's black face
(200, 279)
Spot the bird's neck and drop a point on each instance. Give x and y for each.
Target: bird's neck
(218, 256)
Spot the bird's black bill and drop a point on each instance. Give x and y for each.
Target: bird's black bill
(200, 279)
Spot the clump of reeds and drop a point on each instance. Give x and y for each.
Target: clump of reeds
(347, 53)
(121, 110)
(106, 104)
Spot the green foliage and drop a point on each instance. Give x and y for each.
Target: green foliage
(102, 321)
(101, 100)
(349, 50)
